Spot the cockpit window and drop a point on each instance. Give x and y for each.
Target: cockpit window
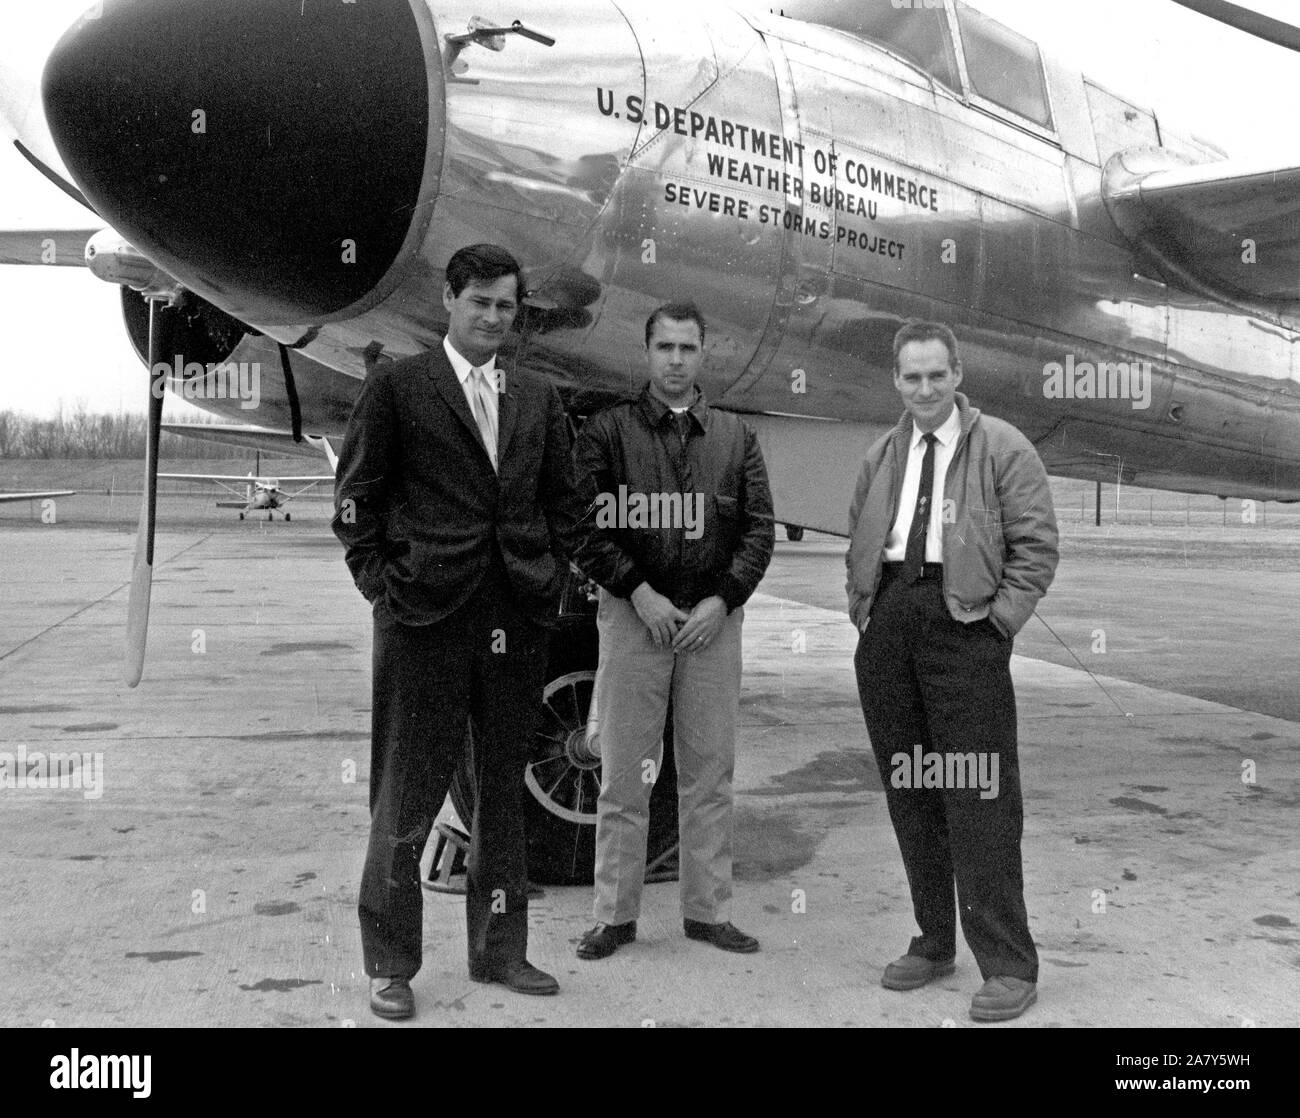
(1004, 66)
(917, 34)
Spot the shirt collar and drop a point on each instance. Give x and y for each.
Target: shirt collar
(946, 432)
(658, 413)
(462, 367)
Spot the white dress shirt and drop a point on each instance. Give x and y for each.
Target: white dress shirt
(946, 436)
(463, 369)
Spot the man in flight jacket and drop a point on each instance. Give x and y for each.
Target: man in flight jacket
(679, 535)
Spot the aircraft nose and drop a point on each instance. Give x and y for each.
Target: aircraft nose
(269, 154)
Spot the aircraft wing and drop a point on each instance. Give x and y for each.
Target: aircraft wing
(311, 483)
(1244, 19)
(255, 479)
(39, 496)
(59, 247)
(227, 482)
(1232, 227)
(213, 477)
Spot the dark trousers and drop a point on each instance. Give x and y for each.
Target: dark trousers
(485, 664)
(926, 678)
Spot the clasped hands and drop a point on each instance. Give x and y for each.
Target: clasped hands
(673, 628)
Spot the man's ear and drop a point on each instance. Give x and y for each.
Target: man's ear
(447, 297)
(956, 374)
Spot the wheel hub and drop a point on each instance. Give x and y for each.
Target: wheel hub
(583, 750)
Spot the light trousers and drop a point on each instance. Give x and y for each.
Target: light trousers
(634, 682)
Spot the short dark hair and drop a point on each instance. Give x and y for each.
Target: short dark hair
(483, 264)
(677, 312)
(927, 332)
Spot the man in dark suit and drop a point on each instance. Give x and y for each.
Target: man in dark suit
(456, 503)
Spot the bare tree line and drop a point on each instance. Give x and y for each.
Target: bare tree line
(80, 433)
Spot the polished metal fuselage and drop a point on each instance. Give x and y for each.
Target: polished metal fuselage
(811, 191)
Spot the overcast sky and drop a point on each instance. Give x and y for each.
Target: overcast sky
(62, 328)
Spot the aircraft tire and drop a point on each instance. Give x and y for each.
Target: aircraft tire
(793, 533)
(561, 787)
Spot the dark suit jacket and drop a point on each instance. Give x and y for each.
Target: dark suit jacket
(420, 509)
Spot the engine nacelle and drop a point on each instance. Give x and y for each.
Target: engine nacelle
(201, 332)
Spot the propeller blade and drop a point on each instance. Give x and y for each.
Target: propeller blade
(1243, 19)
(137, 611)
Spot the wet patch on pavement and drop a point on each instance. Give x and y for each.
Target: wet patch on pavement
(162, 956)
(1131, 803)
(770, 844)
(844, 771)
(275, 908)
(287, 648)
(280, 985)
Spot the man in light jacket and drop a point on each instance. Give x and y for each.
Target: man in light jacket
(953, 541)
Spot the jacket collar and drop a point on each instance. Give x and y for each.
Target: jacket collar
(657, 413)
(462, 366)
(901, 436)
(903, 430)
(444, 377)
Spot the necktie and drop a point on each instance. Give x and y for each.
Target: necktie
(677, 450)
(915, 554)
(483, 412)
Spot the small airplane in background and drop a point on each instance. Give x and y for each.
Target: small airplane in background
(260, 493)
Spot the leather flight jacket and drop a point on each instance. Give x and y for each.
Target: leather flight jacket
(681, 505)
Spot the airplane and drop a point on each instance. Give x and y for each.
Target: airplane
(261, 493)
(813, 175)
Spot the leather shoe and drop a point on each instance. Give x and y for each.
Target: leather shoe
(1002, 997)
(521, 977)
(392, 998)
(912, 971)
(725, 935)
(604, 939)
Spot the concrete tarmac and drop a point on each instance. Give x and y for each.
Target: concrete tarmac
(210, 876)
